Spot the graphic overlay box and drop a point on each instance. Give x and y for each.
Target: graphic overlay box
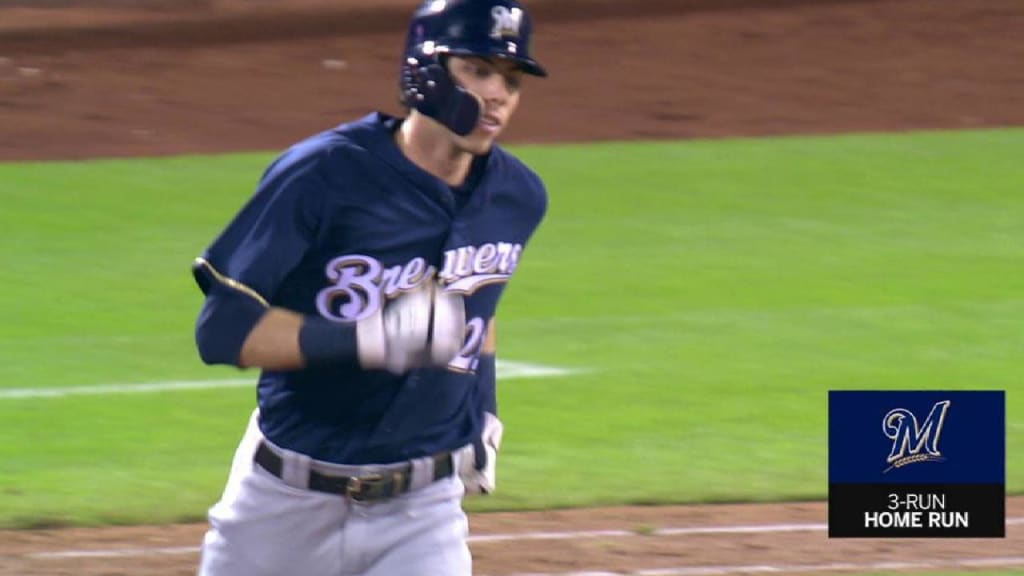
(917, 464)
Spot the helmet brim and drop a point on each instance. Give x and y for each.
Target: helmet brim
(532, 67)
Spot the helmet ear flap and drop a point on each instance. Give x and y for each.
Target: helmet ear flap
(407, 81)
(428, 88)
(419, 60)
(415, 58)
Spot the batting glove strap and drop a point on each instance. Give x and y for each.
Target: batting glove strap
(322, 341)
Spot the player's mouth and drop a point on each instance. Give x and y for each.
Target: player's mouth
(490, 123)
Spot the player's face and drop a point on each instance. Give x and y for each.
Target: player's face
(496, 82)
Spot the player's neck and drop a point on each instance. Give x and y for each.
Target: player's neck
(429, 145)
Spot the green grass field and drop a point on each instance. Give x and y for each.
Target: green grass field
(711, 292)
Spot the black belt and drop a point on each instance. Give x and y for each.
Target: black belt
(360, 488)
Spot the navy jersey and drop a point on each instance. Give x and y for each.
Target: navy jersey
(340, 223)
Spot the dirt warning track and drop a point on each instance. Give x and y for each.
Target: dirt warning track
(249, 75)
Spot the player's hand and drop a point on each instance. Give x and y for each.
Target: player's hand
(422, 328)
(479, 474)
(432, 91)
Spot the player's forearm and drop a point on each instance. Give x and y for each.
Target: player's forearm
(286, 340)
(425, 327)
(238, 330)
(273, 343)
(486, 370)
(486, 375)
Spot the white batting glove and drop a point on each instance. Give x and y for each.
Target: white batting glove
(424, 327)
(484, 481)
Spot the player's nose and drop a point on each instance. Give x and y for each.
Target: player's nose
(496, 90)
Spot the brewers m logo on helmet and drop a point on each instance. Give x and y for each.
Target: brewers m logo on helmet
(506, 22)
(912, 442)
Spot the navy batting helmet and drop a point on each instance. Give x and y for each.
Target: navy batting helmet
(485, 28)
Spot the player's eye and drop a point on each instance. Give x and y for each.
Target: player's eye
(485, 70)
(513, 80)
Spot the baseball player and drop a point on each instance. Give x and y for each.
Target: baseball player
(362, 277)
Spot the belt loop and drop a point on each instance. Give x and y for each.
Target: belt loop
(295, 469)
(422, 473)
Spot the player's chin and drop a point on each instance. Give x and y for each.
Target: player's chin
(478, 144)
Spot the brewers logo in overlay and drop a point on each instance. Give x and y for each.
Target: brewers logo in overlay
(917, 464)
(912, 442)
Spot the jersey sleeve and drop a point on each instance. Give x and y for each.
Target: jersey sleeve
(268, 237)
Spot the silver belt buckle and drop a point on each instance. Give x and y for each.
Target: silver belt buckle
(357, 483)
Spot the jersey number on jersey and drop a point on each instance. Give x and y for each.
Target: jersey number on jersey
(469, 355)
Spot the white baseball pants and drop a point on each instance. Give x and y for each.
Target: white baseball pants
(265, 526)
